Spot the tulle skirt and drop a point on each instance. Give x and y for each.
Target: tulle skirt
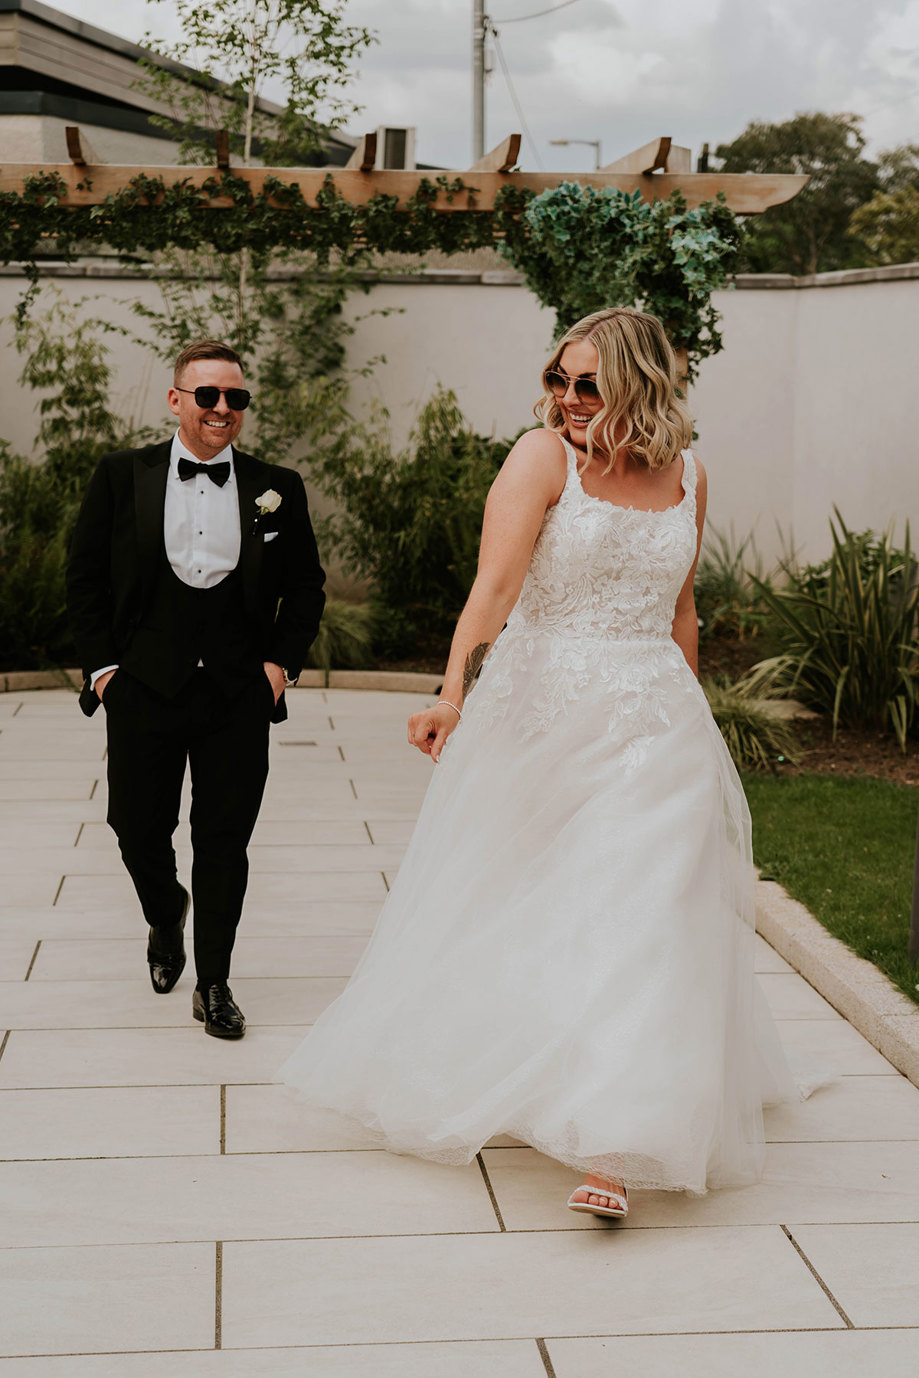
(566, 956)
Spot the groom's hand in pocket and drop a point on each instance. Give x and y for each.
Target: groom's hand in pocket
(101, 683)
(275, 678)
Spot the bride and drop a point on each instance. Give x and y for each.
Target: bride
(566, 956)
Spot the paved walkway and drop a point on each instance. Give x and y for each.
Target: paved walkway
(168, 1211)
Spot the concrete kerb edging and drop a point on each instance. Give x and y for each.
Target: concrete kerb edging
(395, 681)
(853, 986)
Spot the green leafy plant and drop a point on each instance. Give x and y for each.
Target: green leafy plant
(756, 738)
(410, 523)
(581, 249)
(850, 633)
(345, 640)
(727, 595)
(66, 363)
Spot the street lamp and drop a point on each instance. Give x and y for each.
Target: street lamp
(591, 143)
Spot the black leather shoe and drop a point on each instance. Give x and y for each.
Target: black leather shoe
(221, 1015)
(166, 952)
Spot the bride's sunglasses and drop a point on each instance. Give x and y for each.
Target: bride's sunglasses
(238, 399)
(585, 389)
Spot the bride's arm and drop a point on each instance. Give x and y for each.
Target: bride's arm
(531, 480)
(685, 631)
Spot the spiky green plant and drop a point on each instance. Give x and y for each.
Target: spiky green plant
(755, 737)
(727, 597)
(850, 633)
(345, 637)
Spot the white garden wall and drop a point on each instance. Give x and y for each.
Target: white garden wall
(811, 402)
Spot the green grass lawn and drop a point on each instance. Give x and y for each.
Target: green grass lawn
(844, 847)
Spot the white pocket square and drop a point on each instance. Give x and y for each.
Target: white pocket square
(270, 535)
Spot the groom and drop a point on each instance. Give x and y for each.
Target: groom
(195, 590)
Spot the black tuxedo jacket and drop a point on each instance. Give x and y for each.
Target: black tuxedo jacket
(117, 550)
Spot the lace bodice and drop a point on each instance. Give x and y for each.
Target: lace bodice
(594, 617)
(602, 570)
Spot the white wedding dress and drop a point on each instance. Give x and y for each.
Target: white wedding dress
(566, 956)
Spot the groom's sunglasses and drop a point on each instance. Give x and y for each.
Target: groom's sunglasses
(238, 399)
(585, 389)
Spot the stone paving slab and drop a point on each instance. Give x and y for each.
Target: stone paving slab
(823, 1182)
(474, 1359)
(872, 1269)
(65, 1301)
(142, 1057)
(263, 860)
(178, 1212)
(112, 1122)
(512, 1286)
(119, 1004)
(118, 959)
(845, 1354)
(258, 1196)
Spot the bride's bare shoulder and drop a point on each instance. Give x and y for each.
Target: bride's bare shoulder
(538, 456)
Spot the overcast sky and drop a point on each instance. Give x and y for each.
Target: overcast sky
(620, 72)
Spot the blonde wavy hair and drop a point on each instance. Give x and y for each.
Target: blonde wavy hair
(637, 380)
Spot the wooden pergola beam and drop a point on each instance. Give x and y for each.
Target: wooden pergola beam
(660, 154)
(365, 155)
(500, 159)
(78, 148)
(747, 193)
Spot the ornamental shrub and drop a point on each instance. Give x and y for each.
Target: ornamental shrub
(409, 524)
(849, 629)
(581, 249)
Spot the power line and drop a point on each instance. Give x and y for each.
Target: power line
(513, 94)
(518, 19)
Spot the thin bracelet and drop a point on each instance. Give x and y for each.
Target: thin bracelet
(453, 706)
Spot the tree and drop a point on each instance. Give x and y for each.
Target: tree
(888, 224)
(230, 51)
(809, 234)
(233, 49)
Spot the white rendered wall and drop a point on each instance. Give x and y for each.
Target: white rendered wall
(811, 402)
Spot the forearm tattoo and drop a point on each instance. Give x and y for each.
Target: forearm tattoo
(473, 665)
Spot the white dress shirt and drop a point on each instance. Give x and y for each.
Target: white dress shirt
(201, 528)
(201, 521)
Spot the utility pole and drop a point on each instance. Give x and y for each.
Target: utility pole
(478, 80)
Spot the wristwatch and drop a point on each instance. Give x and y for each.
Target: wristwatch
(288, 682)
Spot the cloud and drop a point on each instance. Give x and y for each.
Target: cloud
(622, 72)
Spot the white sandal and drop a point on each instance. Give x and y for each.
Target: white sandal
(617, 1209)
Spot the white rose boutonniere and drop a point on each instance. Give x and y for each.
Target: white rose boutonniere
(269, 501)
(266, 502)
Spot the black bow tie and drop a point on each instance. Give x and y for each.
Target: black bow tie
(218, 473)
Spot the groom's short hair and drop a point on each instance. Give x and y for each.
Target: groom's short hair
(204, 349)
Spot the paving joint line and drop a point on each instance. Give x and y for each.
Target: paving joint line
(38, 944)
(544, 1355)
(223, 1117)
(6, 1039)
(491, 1193)
(816, 1276)
(218, 1296)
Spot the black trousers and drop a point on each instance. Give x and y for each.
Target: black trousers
(224, 741)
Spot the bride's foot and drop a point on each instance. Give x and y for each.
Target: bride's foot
(606, 1196)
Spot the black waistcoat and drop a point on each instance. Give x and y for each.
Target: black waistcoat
(185, 626)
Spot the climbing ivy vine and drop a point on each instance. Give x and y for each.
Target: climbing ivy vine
(578, 248)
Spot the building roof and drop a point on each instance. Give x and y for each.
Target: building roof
(53, 64)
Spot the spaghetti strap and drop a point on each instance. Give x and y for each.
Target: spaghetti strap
(690, 472)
